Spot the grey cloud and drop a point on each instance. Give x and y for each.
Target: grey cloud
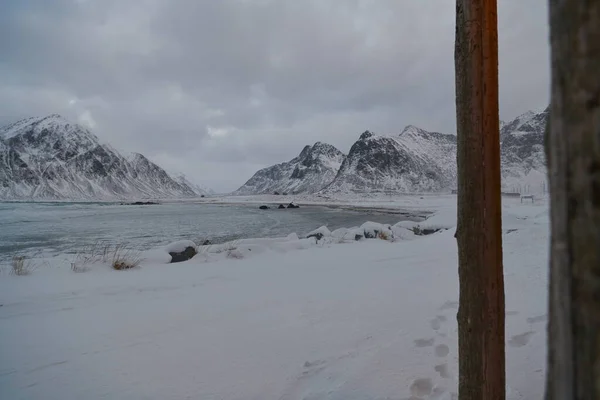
(217, 89)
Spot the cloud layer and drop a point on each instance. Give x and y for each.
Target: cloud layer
(218, 89)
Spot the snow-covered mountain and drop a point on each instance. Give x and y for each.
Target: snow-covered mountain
(414, 161)
(313, 169)
(422, 161)
(523, 157)
(49, 158)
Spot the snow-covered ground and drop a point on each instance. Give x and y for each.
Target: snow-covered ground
(287, 319)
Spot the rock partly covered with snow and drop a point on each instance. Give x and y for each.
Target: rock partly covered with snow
(181, 250)
(179, 246)
(51, 158)
(319, 233)
(444, 219)
(407, 224)
(400, 233)
(373, 230)
(314, 168)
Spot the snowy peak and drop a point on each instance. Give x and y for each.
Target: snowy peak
(415, 160)
(530, 122)
(40, 127)
(314, 168)
(365, 135)
(418, 136)
(50, 158)
(411, 129)
(50, 137)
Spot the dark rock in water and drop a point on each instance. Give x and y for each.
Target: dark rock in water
(185, 255)
(263, 207)
(292, 205)
(207, 242)
(276, 193)
(202, 196)
(285, 193)
(281, 206)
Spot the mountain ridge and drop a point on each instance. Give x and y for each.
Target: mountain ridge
(417, 160)
(50, 158)
(314, 168)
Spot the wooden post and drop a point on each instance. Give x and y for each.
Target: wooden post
(573, 153)
(479, 229)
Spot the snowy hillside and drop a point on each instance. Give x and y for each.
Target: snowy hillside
(50, 158)
(314, 168)
(414, 161)
(199, 189)
(523, 157)
(422, 161)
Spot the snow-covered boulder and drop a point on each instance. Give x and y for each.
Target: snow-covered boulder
(181, 250)
(407, 224)
(373, 230)
(402, 233)
(339, 233)
(292, 236)
(355, 233)
(442, 220)
(319, 233)
(179, 246)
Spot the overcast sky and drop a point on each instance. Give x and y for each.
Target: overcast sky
(217, 89)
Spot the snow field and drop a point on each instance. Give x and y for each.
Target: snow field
(370, 320)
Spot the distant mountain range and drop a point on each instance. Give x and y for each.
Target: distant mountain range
(50, 158)
(413, 161)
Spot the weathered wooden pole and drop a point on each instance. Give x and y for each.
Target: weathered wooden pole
(573, 153)
(479, 229)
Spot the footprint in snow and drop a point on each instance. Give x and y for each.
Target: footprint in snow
(421, 387)
(441, 350)
(539, 318)
(424, 342)
(425, 387)
(436, 323)
(313, 367)
(521, 339)
(443, 370)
